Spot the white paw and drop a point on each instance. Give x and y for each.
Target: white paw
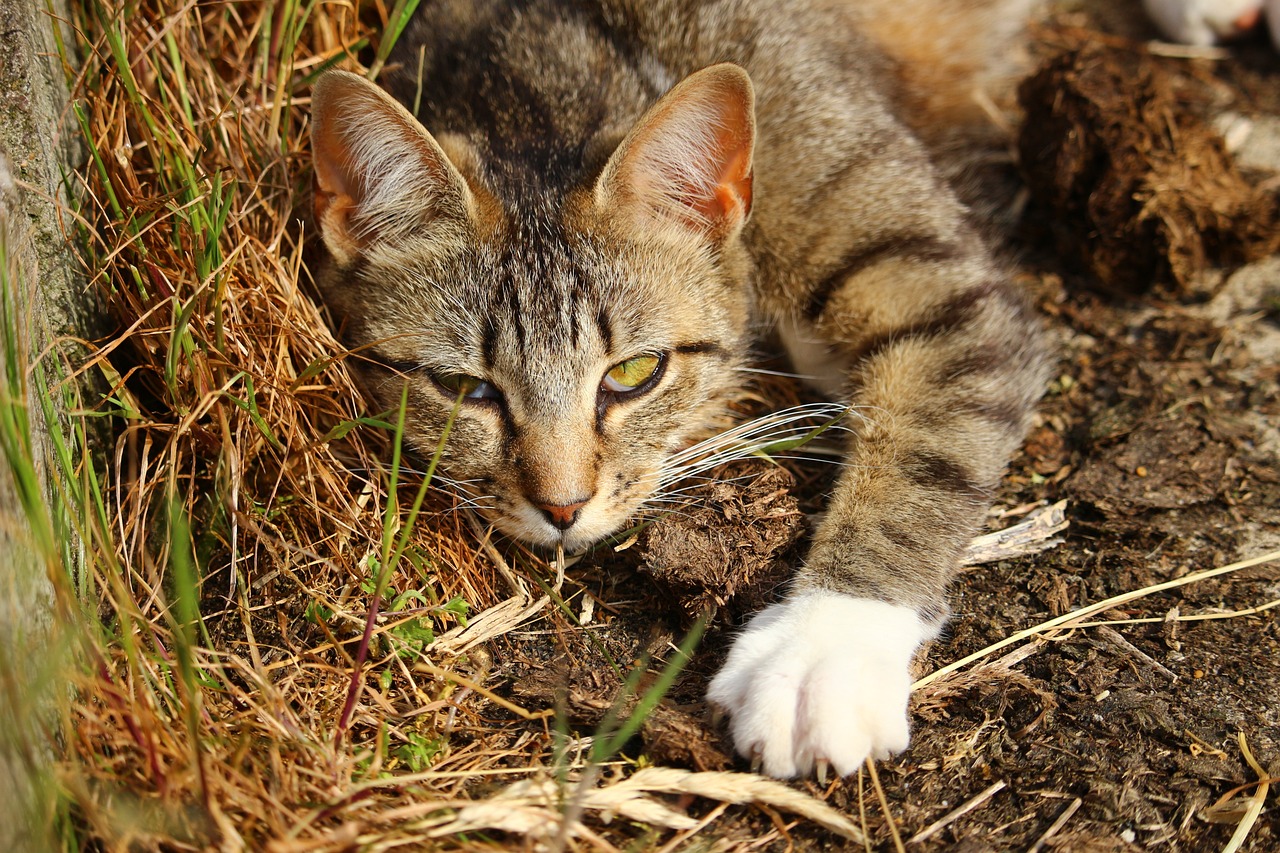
(1205, 22)
(820, 677)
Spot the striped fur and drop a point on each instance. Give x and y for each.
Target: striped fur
(576, 205)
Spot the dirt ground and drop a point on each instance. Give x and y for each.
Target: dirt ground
(1162, 433)
(1145, 224)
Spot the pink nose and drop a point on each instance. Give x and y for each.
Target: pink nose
(561, 515)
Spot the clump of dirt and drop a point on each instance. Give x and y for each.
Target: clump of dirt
(732, 547)
(1140, 190)
(1161, 465)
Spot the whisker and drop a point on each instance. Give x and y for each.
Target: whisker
(693, 487)
(786, 423)
(766, 372)
(678, 499)
(817, 460)
(655, 512)
(774, 436)
(475, 503)
(437, 477)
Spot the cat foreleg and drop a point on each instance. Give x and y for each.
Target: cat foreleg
(940, 391)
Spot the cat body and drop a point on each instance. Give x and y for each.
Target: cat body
(595, 212)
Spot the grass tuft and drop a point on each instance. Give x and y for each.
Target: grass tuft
(276, 620)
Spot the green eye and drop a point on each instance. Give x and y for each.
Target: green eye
(631, 374)
(472, 387)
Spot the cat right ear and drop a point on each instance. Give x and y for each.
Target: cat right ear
(688, 159)
(379, 176)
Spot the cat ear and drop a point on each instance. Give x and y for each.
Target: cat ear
(689, 158)
(379, 176)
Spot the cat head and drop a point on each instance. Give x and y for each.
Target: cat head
(588, 332)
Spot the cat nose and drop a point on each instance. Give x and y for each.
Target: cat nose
(561, 516)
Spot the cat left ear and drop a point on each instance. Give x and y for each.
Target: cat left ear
(379, 175)
(688, 160)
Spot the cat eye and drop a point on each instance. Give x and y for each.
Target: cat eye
(632, 374)
(471, 387)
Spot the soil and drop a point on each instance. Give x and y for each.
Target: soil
(1161, 430)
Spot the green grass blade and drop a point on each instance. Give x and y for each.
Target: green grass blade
(399, 18)
(608, 744)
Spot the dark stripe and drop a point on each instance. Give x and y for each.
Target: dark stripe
(623, 39)
(516, 315)
(702, 348)
(902, 536)
(575, 298)
(606, 332)
(508, 437)
(865, 587)
(950, 405)
(489, 344)
(904, 247)
(951, 316)
(933, 613)
(869, 149)
(1003, 413)
(370, 355)
(980, 359)
(937, 472)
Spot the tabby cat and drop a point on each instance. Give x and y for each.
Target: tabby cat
(580, 215)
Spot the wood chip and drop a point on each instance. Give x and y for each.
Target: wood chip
(1035, 533)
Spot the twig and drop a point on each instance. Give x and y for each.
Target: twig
(1035, 533)
(941, 823)
(438, 672)
(1114, 637)
(497, 620)
(532, 807)
(1078, 615)
(743, 788)
(1190, 617)
(884, 805)
(357, 669)
(1187, 51)
(1255, 802)
(484, 535)
(681, 838)
(1056, 825)
(862, 813)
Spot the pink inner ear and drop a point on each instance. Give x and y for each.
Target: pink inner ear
(689, 158)
(379, 175)
(1248, 19)
(731, 199)
(722, 199)
(333, 193)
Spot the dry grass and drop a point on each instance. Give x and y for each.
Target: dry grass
(261, 673)
(236, 405)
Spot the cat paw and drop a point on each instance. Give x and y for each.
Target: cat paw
(1205, 22)
(820, 680)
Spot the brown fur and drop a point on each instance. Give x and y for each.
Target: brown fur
(578, 205)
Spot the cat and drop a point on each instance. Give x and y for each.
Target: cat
(580, 217)
(1208, 22)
